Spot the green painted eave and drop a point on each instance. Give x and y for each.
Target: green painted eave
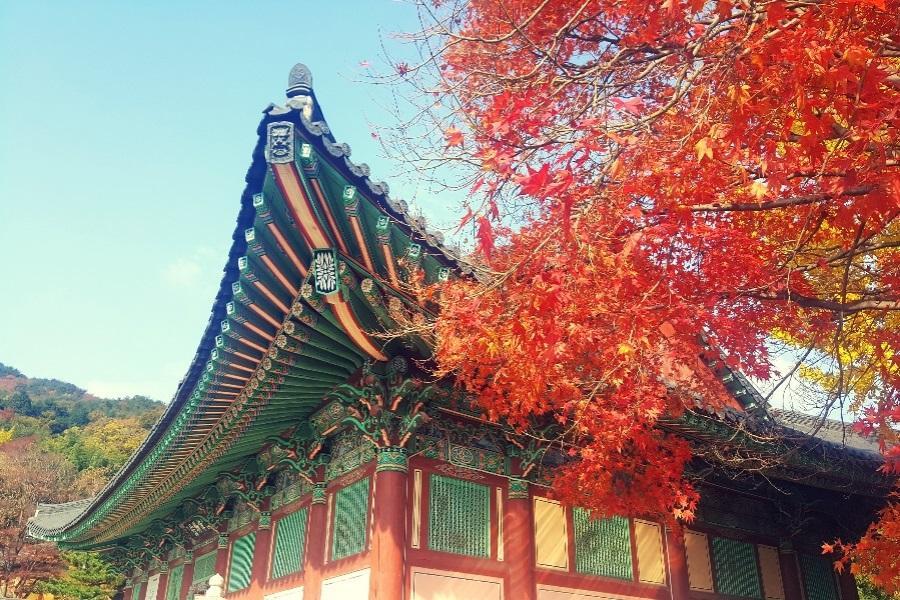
(211, 428)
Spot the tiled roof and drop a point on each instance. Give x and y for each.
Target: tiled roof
(52, 516)
(831, 431)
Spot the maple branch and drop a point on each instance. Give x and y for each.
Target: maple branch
(496, 40)
(830, 305)
(789, 374)
(780, 203)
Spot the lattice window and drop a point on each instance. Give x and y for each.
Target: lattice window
(351, 507)
(173, 587)
(290, 537)
(651, 562)
(241, 562)
(818, 578)
(696, 546)
(602, 546)
(204, 567)
(459, 516)
(735, 568)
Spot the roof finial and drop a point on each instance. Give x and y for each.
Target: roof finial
(299, 81)
(299, 91)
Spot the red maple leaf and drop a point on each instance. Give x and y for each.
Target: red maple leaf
(535, 182)
(485, 236)
(453, 136)
(633, 106)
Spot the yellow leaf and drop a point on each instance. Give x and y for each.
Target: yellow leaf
(625, 348)
(739, 94)
(703, 149)
(759, 189)
(616, 168)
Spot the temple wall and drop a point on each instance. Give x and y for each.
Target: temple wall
(467, 533)
(437, 584)
(349, 585)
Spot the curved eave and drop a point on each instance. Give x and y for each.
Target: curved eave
(261, 279)
(253, 179)
(338, 156)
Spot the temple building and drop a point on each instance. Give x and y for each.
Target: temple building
(310, 454)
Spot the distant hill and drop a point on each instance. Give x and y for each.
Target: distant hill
(59, 405)
(67, 444)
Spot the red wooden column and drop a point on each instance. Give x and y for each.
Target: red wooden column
(163, 584)
(389, 525)
(128, 592)
(222, 551)
(261, 548)
(314, 558)
(790, 572)
(677, 559)
(518, 541)
(187, 576)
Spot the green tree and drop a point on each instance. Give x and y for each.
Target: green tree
(870, 591)
(7, 371)
(101, 444)
(88, 577)
(20, 402)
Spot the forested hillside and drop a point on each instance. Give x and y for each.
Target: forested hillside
(58, 443)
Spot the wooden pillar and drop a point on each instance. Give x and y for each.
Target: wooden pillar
(314, 559)
(790, 573)
(518, 541)
(389, 504)
(847, 584)
(222, 551)
(163, 585)
(261, 548)
(128, 592)
(187, 575)
(677, 559)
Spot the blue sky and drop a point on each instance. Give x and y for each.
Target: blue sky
(125, 132)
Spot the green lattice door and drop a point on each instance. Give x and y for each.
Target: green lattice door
(736, 573)
(241, 562)
(818, 578)
(173, 587)
(290, 537)
(351, 509)
(204, 567)
(602, 546)
(459, 516)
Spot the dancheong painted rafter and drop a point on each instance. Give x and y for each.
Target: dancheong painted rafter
(309, 449)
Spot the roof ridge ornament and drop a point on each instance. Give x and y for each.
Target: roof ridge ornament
(299, 90)
(299, 81)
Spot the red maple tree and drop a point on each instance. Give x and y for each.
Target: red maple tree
(28, 476)
(645, 172)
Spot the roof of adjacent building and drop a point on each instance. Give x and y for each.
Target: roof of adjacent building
(52, 516)
(833, 432)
